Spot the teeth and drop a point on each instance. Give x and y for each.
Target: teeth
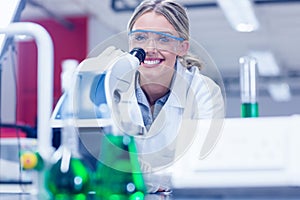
(151, 62)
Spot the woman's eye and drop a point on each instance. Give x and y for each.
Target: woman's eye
(164, 39)
(140, 38)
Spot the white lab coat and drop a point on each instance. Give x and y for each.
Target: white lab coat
(193, 96)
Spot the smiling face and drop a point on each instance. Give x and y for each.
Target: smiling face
(158, 67)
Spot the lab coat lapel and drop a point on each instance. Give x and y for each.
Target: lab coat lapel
(170, 114)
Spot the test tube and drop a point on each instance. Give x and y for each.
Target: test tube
(249, 104)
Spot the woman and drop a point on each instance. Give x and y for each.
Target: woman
(169, 87)
(161, 28)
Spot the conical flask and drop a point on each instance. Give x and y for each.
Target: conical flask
(67, 176)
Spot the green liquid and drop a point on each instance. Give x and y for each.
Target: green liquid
(249, 110)
(118, 175)
(73, 184)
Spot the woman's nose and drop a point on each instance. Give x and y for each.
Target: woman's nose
(151, 44)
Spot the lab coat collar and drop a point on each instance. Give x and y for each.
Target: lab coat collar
(179, 88)
(177, 99)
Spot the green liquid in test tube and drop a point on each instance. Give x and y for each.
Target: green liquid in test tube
(249, 104)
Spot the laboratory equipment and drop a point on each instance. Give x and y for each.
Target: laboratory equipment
(249, 104)
(111, 158)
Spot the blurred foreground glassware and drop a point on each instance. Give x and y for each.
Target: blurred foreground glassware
(118, 174)
(67, 177)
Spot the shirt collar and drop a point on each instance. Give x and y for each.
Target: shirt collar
(179, 87)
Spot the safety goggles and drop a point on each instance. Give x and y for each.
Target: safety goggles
(154, 39)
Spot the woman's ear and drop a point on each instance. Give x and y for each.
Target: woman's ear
(183, 48)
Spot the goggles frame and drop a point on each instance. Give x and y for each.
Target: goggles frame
(158, 45)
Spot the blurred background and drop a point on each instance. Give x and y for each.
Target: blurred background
(78, 26)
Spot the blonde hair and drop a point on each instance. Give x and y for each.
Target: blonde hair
(176, 14)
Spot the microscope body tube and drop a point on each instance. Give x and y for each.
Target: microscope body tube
(123, 69)
(248, 84)
(118, 80)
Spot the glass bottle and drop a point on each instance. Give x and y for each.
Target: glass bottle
(67, 176)
(118, 173)
(249, 104)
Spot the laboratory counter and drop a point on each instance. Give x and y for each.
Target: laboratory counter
(245, 193)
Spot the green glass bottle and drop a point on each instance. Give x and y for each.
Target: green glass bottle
(249, 104)
(118, 175)
(67, 176)
(72, 183)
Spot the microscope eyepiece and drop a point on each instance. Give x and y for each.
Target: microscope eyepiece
(139, 53)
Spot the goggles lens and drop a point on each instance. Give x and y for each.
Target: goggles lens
(154, 39)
